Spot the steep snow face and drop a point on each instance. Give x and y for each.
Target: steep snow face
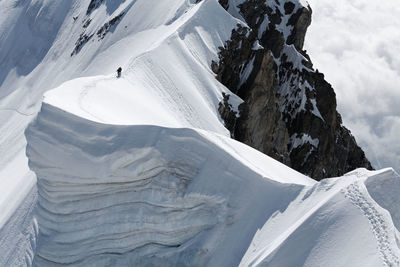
(140, 170)
(28, 30)
(165, 49)
(126, 195)
(338, 222)
(49, 31)
(18, 236)
(143, 26)
(123, 195)
(170, 85)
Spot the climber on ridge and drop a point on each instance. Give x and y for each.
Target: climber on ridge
(119, 70)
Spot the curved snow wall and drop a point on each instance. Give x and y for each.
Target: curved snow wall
(141, 194)
(108, 191)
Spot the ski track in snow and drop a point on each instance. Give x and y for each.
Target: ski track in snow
(173, 98)
(356, 193)
(264, 253)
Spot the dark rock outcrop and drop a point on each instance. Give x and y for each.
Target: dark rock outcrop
(224, 3)
(289, 110)
(261, 124)
(94, 4)
(89, 32)
(83, 39)
(101, 33)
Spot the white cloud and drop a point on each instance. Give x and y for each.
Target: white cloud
(356, 44)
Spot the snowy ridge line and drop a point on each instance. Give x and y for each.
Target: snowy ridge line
(128, 198)
(180, 88)
(256, 256)
(161, 186)
(330, 206)
(358, 195)
(189, 15)
(384, 191)
(170, 34)
(185, 28)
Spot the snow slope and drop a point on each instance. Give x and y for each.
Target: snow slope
(36, 57)
(120, 194)
(40, 59)
(172, 86)
(150, 195)
(334, 223)
(140, 170)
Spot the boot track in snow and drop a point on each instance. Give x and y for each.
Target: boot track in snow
(357, 194)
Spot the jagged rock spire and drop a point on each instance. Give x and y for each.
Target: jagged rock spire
(289, 110)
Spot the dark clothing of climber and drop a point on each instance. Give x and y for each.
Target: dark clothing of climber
(119, 70)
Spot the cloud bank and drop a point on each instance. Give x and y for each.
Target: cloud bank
(356, 44)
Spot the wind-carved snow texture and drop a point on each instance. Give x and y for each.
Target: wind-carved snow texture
(356, 193)
(18, 237)
(143, 194)
(115, 196)
(137, 195)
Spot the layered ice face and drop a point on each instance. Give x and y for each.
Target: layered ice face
(140, 170)
(127, 194)
(123, 195)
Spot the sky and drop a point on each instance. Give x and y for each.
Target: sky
(356, 44)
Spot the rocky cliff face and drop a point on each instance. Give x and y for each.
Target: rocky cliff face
(289, 110)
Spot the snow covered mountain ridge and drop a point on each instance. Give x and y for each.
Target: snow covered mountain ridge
(140, 170)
